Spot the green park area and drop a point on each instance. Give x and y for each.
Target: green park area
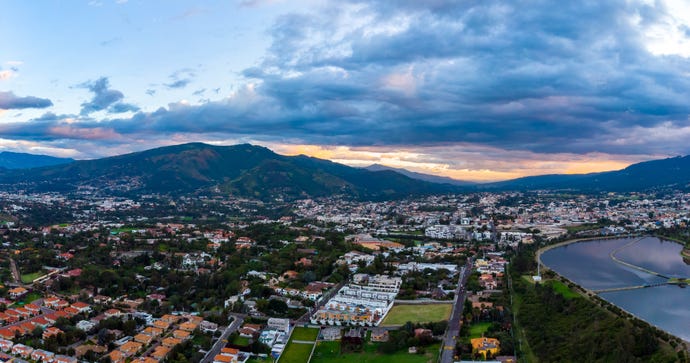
(327, 352)
(401, 314)
(29, 278)
(563, 289)
(478, 329)
(298, 352)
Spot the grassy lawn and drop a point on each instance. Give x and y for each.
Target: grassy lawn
(305, 334)
(296, 353)
(259, 360)
(401, 314)
(28, 278)
(330, 352)
(476, 330)
(241, 341)
(563, 289)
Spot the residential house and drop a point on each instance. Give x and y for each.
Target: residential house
(50, 332)
(143, 339)
(22, 350)
(379, 335)
(485, 345)
(42, 356)
(6, 345)
(18, 292)
(64, 359)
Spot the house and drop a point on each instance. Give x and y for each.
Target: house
(34, 309)
(81, 307)
(110, 313)
(6, 345)
(485, 345)
(64, 359)
(181, 334)
(70, 311)
(379, 335)
(279, 324)
(85, 325)
(160, 352)
(153, 331)
(331, 333)
(40, 321)
(144, 360)
(249, 330)
(130, 348)
(22, 350)
(160, 324)
(42, 355)
(18, 292)
(143, 339)
(420, 333)
(170, 342)
(208, 327)
(220, 358)
(188, 326)
(6, 334)
(169, 318)
(117, 357)
(50, 332)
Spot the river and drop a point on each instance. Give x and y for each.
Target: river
(589, 264)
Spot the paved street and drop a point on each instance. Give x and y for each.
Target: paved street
(223, 340)
(455, 321)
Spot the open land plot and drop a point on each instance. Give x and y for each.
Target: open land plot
(327, 352)
(308, 334)
(296, 353)
(401, 314)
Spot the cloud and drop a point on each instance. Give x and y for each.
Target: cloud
(181, 78)
(525, 77)
(104, 98)
(8, 101)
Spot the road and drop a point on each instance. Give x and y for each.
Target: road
(223, 340)
(15, 272)
(455, 321)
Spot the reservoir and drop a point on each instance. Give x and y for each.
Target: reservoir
(590, 264)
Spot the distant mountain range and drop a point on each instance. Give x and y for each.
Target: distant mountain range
(420, 176)
(243, 170)
(12, 160)
(655, 174)
(254, 171)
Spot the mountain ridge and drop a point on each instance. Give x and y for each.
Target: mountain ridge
(13, 160)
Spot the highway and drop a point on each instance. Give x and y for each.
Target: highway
(223, 340)
(455, 321)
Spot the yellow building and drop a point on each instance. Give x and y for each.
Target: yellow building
(485, 345)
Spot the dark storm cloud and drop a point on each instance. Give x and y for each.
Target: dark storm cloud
(9, 101)
(103, 96)
(540, 76)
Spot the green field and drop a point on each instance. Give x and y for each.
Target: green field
(296, 353)
(309, 334)
(563, 289)
(401, 314)
(29, 278)
(477, 329)
(243, 341)
(326, 352)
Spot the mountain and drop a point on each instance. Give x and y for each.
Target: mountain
(420, 176)
(11, 160)
(654, 174)
(243, 170)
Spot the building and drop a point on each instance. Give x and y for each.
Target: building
(279, 324)
(485, 346)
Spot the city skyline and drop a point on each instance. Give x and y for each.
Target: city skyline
(487, 91)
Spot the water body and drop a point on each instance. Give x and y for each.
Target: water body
(589, 264)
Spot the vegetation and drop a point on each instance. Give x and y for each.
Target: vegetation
(306, 334)
(593, 329)
(562, 289)
(400, 314)
(296, 353)
(327, 352)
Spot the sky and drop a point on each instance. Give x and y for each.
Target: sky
(477, 90)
